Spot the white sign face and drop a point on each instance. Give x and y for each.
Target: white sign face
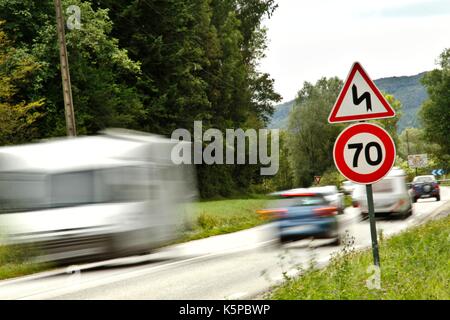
(418, 160)
(364, 153)
(360, 99)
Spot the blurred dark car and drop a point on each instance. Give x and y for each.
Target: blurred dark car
(423, 187)
(304, 215)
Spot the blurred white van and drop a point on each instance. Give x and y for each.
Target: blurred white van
(390, 194)
(107, 195)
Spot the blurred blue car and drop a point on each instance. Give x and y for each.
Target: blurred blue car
(302, 215)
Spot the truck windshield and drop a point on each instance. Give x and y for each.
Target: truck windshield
(31, 191)
(22, 191)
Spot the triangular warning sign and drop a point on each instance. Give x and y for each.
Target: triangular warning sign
(360, 99)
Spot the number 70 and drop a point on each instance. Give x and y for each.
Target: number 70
(359, 147)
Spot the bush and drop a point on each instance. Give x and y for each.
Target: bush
(332, 177)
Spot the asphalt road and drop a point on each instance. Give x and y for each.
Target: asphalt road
(241, 265)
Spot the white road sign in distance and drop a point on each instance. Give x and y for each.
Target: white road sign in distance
(418, 160)
(364, 153)
(360, 99)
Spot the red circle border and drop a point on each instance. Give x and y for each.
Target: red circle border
(341, 141)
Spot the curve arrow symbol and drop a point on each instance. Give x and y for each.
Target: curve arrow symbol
(365, 96)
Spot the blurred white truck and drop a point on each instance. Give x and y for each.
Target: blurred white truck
(390, 196)
(112, 194)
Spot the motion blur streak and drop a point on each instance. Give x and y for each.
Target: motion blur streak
(99, 196)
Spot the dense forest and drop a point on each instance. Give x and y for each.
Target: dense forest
(148, 65)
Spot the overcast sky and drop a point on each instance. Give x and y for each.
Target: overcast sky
(309, 39)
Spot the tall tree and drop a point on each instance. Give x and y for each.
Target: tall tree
(412, 141)
(17, 115)
(199, 62)
(435, 112)
(172, 40)
(98, 66)
(311, 137)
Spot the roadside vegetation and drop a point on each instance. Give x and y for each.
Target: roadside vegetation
(445, 183)
(212, 218)
(414, 265)
(15, 261)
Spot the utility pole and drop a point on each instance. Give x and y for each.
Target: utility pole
(65, 74)
(407, 141)
(407, 147)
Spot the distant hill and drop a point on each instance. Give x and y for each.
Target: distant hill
(407, 89)
(281, 115)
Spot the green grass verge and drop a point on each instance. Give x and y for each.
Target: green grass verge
(224, 216)
(414, 265)
(15, 262)
(445, 184)
(348, 201)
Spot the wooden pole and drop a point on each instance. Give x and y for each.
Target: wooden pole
(65, 74)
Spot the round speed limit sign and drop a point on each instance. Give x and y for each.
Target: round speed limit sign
(364, 153)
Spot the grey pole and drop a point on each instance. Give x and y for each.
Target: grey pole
(373, 227)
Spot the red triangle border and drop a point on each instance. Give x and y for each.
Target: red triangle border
(389, 111)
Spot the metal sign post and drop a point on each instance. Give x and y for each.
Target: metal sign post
(363, 153)
(373, 227)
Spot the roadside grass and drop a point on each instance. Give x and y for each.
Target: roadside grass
(415, 265)
(445, 183)
(15, 261)
(212, 218)
(348, 201)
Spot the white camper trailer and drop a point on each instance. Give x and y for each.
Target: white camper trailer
(390, 196)
(106, 195)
